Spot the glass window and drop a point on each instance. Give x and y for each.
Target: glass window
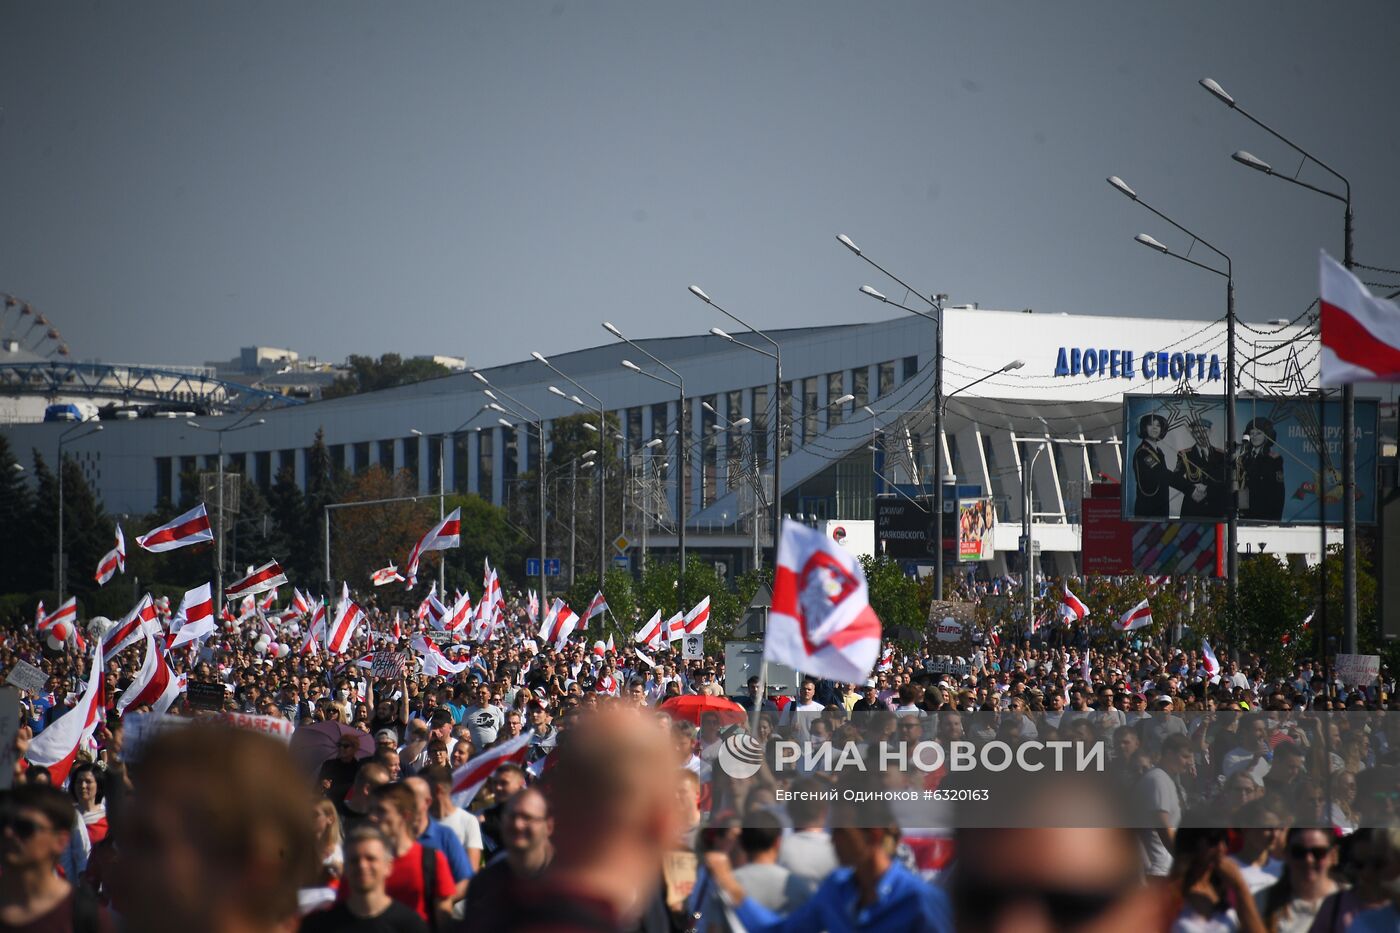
(532, 446)
(511, 464)
(834, 390)
(860, 386)
(337, 452)
(386, 456)
(361, 456)
(238, 463)
(709, 452)
(163, 486)
(810, 409)
(911, 368)
(785, 423)
(661, 424)
(434, 461)
(760, 423)
(287, 460)
(461, 462)
(634, 429)
(486, 462)
(262, 461)
(410, 457)
(886, 383)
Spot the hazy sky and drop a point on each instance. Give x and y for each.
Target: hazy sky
(483, 179)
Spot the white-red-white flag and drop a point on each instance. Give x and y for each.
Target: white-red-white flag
(597, 607)
(155, 684)
(1071, 606)
(113, 560)
(57, 746)
(196, 605)
(675, 627)
(697, 618)
(445, 534)
(653, 634)
(129, 630)
(259, 580)
(348, 616)
(301, 603)
(1360, 333)
(470, 778)
(386, 575)
(532, 606)
(315, 632)
(268, 601)
(558, 625)
(1209, 660)
(190, 528)
(435, 663)
(460, 616)
(1140, 616)
(821, 622)
(66, 613)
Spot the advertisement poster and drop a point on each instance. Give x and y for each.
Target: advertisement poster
(1180, 465)
(976, 519)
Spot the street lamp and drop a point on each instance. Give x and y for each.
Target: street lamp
(602, 473)
(1348, 391)
(936, 302)
(496, 406)
(63, 439)
(682, 442)
(242, 424)
(776, 355)
(1232, 499)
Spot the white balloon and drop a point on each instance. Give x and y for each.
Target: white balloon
(283, 649)
(99, 626)
(53, 643)
(260, 647)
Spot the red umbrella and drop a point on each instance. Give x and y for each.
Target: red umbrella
(691, 707)
(316, 743)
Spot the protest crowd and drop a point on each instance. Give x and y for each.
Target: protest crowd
(506, 767)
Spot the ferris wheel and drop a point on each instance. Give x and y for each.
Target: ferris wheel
(30, 329)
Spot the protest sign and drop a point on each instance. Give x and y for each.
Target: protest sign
(26, 676)
(206, 695)
(388, 664)
(268, 725)
(1358, 669)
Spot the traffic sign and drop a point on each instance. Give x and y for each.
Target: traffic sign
(622, 544)
(1021, 545)
(622, 561)
(532, 566)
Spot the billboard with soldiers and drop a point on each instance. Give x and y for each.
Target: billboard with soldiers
(1179, 465)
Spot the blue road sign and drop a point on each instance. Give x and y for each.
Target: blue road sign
(532, 566)
(621, 561)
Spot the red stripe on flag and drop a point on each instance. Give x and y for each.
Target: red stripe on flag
(1345, 336)
(178, 533)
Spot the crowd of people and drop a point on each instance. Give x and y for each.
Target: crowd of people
(1227, 804)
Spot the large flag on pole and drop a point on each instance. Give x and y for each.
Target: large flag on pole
(190, 528)
(1212, 664)
(128, 631)
(821, 622)
(445, 534)
(347, 618)
(653, 634)
(698, 618)
(597, 607)
(1071, 606)
(1140, 616)
(558, 625)
(1360, 333)
(385, 575)
(469, 778)
(57, 746)
(155, 684)
(113, 560)
(267, 577)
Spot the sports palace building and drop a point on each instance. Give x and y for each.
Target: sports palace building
(857, 410)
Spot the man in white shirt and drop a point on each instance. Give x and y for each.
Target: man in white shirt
(1159, 797)
(803, 710)
(483, 719)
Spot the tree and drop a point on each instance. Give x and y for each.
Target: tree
(369, 375)
(365, 539)
(18, 554)
(286, 505)
(894, 595)
(1270, 599)
(487, 534)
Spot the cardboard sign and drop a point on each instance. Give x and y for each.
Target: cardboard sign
(693, 647)
(1358, 669)
(948, 666)
(26, 676)
(950, 624)
(268, 725)
(206, 695)
(388, 664)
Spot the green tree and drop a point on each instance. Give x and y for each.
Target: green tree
(1270, 600)
(894, 595)
(368, 374)
(19, 556)
(487, 534)
(286, 504)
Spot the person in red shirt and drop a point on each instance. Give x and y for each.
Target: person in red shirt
(421, 878)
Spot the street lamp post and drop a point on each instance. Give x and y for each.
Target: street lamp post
(1029, 579)
(602, 464)
(776, 355)
(495, 405)
(936, 303)
(242, 424)
(1232, 439)
(1348, 391)
(650, 448)
(63, 439)
(682, 442)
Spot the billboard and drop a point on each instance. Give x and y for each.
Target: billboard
(1179, 549)
(976, 519)
(1105, 540)
(1181, 465)
(903, 529)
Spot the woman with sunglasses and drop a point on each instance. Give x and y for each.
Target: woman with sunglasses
(1294, 902)
(1211, 893)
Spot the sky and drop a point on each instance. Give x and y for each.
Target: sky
(486, 179)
